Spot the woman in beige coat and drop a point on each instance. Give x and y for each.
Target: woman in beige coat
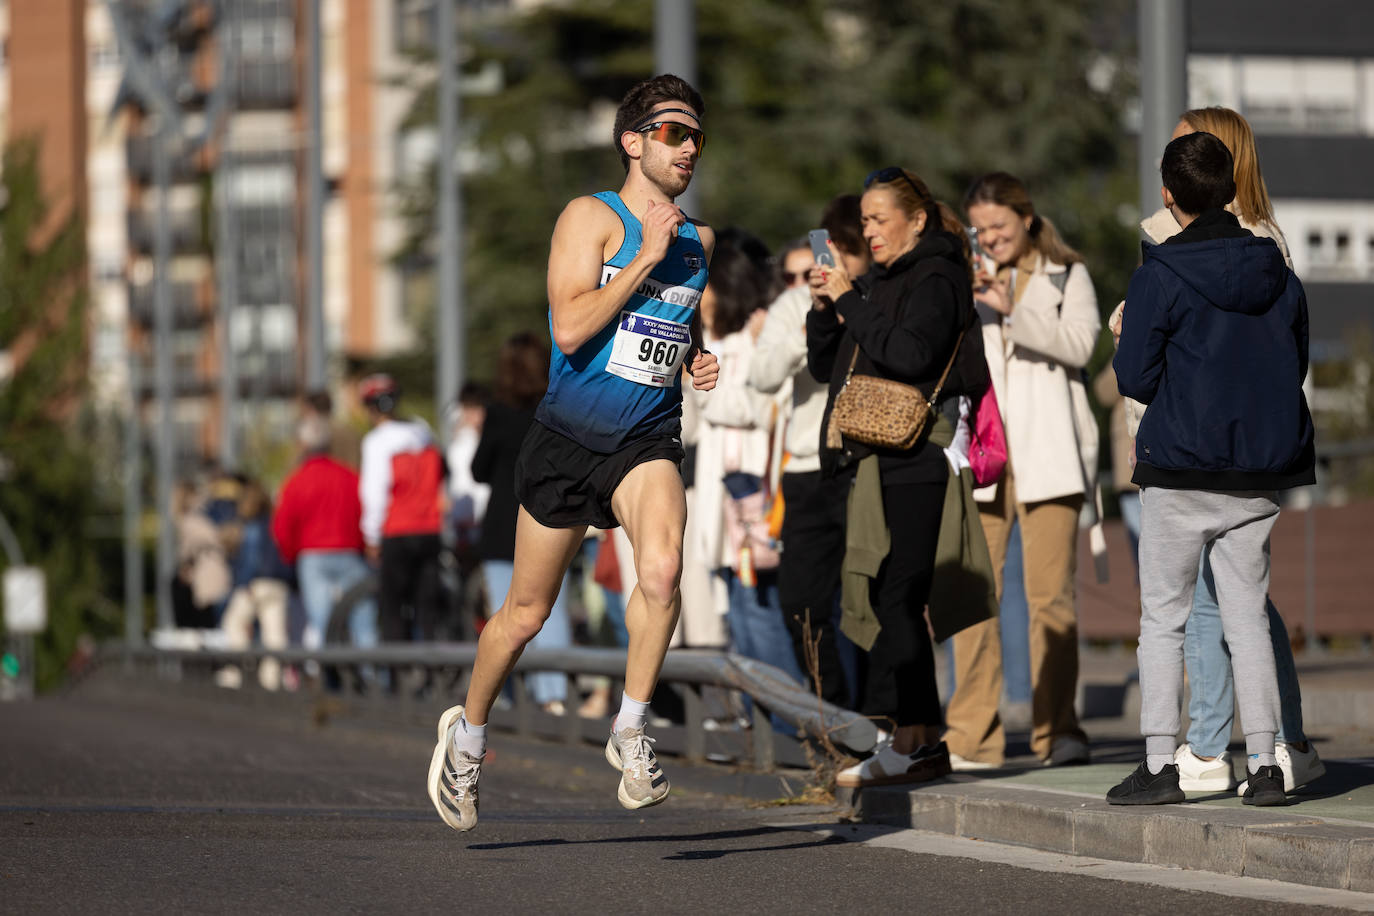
(1040, 324)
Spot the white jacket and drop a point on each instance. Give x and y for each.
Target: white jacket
(779, 362)
(1035, 361)
(732, 435)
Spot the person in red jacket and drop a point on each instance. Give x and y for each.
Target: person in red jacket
(317, 528)
(402, 490)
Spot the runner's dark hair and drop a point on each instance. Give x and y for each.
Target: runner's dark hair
(641, 100)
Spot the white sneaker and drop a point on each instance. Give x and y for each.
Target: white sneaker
(1198, 775)
(964, 765)
(1299, 767)
(888, 767)
(642, 782)
(453, 776)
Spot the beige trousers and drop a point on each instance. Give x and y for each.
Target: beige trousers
(263, 600)
(1049, 539)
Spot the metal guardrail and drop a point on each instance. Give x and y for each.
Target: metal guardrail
(771, 690)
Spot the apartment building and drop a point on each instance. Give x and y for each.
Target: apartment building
(63, 77)
(1304, 79)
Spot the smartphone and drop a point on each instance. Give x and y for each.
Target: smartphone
(820, 247)
(976, 257)
(972, 234)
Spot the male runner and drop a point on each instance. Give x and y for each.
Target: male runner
(626, 272)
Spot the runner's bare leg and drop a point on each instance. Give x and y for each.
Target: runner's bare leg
(542, 557)
(652, 507)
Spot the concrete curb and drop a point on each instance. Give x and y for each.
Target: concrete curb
(1258, 843)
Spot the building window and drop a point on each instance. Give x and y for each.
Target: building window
(1315, 246)
(1343, 249)
(415, 24)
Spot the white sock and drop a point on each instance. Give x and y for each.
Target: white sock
(632, 714)
(469, 738)
(1157, 762)
(1260, 760)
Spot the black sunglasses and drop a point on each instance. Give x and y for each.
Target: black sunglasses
(892, 173)
(673, 134)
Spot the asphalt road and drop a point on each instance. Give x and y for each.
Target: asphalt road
(120, 800)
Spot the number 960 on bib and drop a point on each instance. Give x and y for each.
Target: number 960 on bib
(648, 350)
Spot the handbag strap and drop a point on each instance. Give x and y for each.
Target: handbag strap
(934, 395)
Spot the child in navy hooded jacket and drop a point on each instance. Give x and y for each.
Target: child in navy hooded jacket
(1214, 340)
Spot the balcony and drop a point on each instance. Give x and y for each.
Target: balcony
(266, 83)
(187, 381)
(186, 307)
(138, 152)
(188, 235)
(268, 373)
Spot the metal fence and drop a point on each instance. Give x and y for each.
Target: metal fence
(688, 672)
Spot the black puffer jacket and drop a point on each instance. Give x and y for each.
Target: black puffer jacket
(905, 319)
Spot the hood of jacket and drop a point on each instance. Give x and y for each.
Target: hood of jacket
(1227, 266)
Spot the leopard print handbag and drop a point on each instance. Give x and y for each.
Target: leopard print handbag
(881, 412)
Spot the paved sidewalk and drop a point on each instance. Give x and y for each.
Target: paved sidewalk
(1323, 837)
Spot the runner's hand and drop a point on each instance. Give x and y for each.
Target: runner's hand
(661, 223)
(704, 371)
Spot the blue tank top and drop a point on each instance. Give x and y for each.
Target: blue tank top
(623, 384)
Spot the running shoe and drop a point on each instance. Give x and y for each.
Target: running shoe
(642, 782)
(453, 776)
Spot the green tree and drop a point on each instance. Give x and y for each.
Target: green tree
(803, 100)
(47, 488)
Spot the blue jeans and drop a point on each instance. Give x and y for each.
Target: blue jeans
(1129, 501)
(544, 686)
(1013, 625)
(324, 576)
(1212, 702)
(756, 625)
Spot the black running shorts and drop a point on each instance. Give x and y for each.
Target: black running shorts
(564, 485)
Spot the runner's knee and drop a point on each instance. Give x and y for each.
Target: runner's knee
(524, 619)
(659, 572)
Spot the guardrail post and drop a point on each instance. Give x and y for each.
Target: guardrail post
(572, 722)
(762, 735)
(524, 725)
(694, 711)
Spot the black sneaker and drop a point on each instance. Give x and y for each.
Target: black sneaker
(1145, 788)
(1265, 788)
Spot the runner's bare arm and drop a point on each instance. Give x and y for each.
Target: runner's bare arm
(703, 366)
(579, 309)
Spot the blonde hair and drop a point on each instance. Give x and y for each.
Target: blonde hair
(1231, 128)
(1008, 191)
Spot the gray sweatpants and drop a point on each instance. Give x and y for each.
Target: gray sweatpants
(1233, 528)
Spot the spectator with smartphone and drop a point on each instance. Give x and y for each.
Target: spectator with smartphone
(813, 517)
(906, 321)
(1040, 323)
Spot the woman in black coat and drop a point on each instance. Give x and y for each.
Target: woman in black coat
(905, 319)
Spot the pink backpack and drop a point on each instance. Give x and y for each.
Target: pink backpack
(987, 453)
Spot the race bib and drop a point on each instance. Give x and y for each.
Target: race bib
(648, 350)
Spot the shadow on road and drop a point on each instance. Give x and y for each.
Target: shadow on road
(715, 836)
